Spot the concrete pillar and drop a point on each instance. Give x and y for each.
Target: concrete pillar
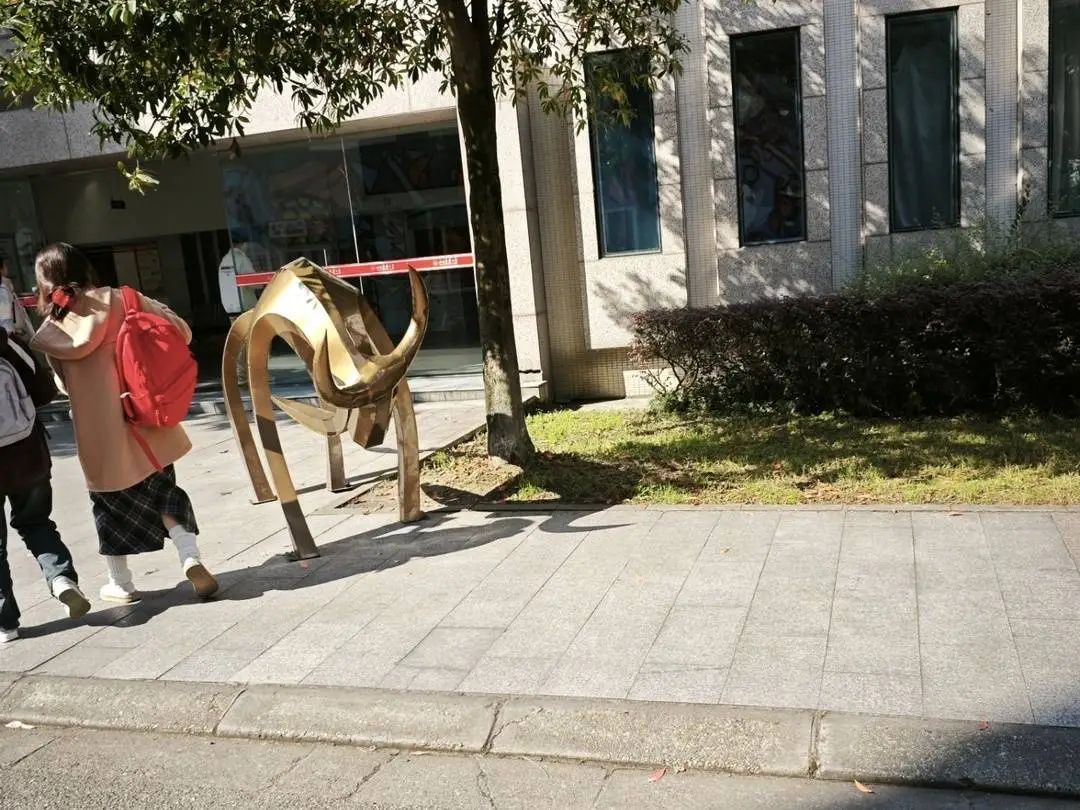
(692, 92)
(843, 89)
(1002, 111)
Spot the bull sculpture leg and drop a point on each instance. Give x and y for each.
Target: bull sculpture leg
(234, 344)
(359, 377)
(408, 443)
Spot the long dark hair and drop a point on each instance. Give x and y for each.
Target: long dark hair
(63, 272)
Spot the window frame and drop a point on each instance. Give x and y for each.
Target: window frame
(601, 233)
(952, 14)
(772, 32)
(1051, 211)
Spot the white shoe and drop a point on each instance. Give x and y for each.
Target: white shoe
(119, 594)
(72, 598)
(9, 635)
(201, 579)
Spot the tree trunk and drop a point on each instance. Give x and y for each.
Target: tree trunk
(508, 437)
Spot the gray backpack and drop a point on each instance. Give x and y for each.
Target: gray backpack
(17, 411)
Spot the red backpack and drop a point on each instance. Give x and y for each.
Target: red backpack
(156, 368)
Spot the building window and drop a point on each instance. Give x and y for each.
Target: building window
(1064, 108)
(924, 126)
(768, 137)
(623, 157)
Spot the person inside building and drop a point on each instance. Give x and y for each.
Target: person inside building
(13, 318)
(135, 502)
(25, 472)
(236, 299)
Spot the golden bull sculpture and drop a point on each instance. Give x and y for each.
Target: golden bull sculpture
(359, 377)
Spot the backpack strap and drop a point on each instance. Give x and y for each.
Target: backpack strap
(132, 305)
(130, 298)
(145, 446)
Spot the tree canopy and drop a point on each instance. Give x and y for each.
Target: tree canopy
(167, 76)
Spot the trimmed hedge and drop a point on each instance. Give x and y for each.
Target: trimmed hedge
(985, 346)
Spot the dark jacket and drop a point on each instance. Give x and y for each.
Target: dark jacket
(26, 463)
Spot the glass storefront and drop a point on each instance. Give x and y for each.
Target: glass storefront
(366, 199)
(20, 236)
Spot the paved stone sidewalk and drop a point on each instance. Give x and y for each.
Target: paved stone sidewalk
(968, 614)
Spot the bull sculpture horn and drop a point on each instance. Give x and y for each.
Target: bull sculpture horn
(358, 374)
(379, 375)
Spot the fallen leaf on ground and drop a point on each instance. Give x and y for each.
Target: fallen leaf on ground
(657, 775)
(17, 724)
(984, 726)
(305, 564)
(863, 788)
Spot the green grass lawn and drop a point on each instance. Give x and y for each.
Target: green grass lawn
(636, 457)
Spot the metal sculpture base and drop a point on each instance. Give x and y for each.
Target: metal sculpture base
(359, 378)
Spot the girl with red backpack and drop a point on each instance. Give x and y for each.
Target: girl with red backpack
(127, 458)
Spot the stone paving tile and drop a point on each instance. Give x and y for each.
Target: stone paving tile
(871, 693)
(974, 680)
(511, 676)
(211, 664)
(1043, 594)
(553, 617)
(1068, 525)
(1052, 644)
(941, 530)
(583, 677)
(720, 583)
(793, 612)
(976, 618)
(161, 653)
(1055, 700)
(452, 647)
(896, 653)
(1028, 550)
(294, 657)
(498, 600)
(80, 661)
(680, 683)
(423, 678)
(698, 637)
(1021, 520)
(783, 671)
(874, 518)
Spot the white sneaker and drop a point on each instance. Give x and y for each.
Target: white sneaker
(200, 578)
(9, 635)
(119, 594)
(72, 598)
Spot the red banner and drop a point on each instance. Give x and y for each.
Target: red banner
(454, 261)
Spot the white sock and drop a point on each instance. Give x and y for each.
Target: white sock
(187, 545)
(119, 573)
(61, 584)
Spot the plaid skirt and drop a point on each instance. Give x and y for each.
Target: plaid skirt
(129, 521)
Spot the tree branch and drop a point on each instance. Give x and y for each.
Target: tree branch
(500, 26)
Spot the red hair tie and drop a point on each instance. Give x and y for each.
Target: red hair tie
(63, 297)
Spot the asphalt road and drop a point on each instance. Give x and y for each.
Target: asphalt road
(45, 768)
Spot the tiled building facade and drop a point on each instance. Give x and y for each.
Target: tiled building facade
(782, 161)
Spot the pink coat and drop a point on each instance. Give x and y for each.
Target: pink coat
(82, 350)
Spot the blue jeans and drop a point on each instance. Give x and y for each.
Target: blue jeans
(30, 512)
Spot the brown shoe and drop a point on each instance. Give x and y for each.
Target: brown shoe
(202, 580)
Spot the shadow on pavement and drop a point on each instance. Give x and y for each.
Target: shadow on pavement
(378, 549)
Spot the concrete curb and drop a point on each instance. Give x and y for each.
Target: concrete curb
(775, 742)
